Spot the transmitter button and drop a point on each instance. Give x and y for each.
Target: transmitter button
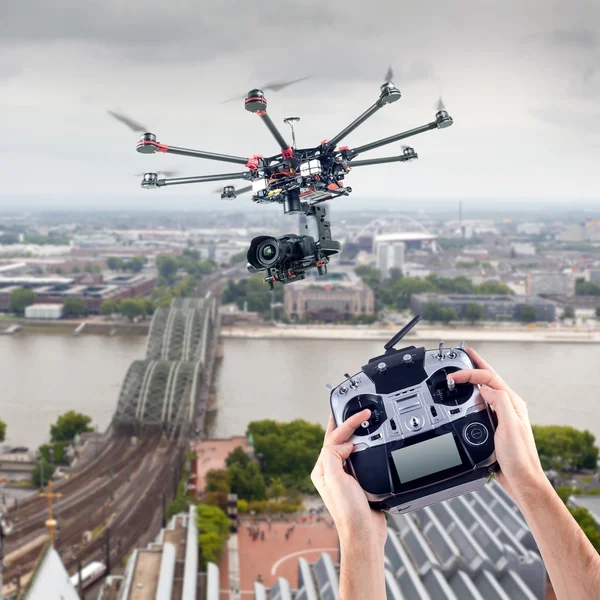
(475, 434)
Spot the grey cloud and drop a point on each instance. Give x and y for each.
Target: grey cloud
(586, 39)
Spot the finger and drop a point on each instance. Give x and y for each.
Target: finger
(344, 432)
(480, 377)
(330, 426)
(501, 403)
(333, 458)
(477, 360)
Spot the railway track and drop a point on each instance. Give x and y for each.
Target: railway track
(126, 501)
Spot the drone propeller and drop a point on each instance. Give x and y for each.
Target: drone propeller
(243, 190)
(440, 104)
(167, 173)
(275, 87)
(389, 75)
(131, 123)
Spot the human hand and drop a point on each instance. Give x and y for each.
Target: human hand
(516, 452)
(354, 519)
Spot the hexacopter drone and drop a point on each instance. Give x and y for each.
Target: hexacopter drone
(299, 179)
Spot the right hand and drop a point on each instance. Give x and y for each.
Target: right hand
(516, 453)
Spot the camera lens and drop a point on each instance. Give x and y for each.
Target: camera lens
(268, 251)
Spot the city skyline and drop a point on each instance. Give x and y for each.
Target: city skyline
(521, 82)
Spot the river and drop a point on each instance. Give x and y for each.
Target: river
(43, 375)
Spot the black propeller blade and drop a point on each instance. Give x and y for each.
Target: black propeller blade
(275, 87)
(440, 104)
(131, 123)
(171, 173)
(389, 75)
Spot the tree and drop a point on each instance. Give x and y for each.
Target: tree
(474, 312)
(239, 257)
(597, 312)
(493, 288)
(563, 447)
(19, 300)
(586, 288)
(167, 267)
(59, 271)
(435, 312)
(213, 531)
(109, 307)
(75, 269)
(74, 307)
(238, 456)
(568, 313)
(132, 308)
(68, 425)
(528, 314)
(248, 483)
(588, 525)
(218, 480)
(89, 268)
(276, 489)
(135, 264)
(114, 263)
(42, 473)
(2, 431)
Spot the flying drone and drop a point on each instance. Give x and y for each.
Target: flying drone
(300, 179)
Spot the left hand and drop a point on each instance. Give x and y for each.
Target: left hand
(354, 519)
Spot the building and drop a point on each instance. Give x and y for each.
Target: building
(551, 283)
(54, 290)
(497, 308)
(389, 255)
(413, 240)
(523, 250)
(338, 296)
(594, 276)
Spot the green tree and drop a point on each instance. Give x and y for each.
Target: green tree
(218, 480)
(59, 271)
(2, 431)
(74, 307)
(42, 473)
(276, 489)
(586, 288)
(248, 483)
(132, 308)
(474, 312)
(109, 307)
(19, 300)
(167, 267)
(114, 263)
(563, 447)
(238, 257)
(75, 269)
(68, 425)
(213, 531)
(89, 268)
(135, 264)
(492, 288)
(238, 456)
(564, 491)
(598, 312)
(528, 314)
(587, 524)
(434, 312)
(568, 313)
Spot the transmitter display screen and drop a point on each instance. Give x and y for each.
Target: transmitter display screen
(425, 458)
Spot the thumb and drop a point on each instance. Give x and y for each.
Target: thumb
(500, 403)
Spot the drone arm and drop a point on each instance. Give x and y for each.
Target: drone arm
(389, 94)
(442, 120)
(149, 145)
(380, 161)
(199, 179)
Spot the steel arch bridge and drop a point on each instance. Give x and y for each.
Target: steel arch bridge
(160, 392)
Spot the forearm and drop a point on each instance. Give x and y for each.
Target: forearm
(572, 562)
(362, 573)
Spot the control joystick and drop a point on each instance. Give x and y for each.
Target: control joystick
(374, 404)
(446, 391)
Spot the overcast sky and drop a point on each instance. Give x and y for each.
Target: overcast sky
(521, 79)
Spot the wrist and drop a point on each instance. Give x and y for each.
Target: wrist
(533, 491)
(361, 543)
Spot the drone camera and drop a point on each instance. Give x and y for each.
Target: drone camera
(267, 252)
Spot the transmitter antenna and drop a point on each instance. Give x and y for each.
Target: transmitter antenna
(402, 333)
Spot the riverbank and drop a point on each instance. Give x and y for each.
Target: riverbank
(93, 325)
(422, 333)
